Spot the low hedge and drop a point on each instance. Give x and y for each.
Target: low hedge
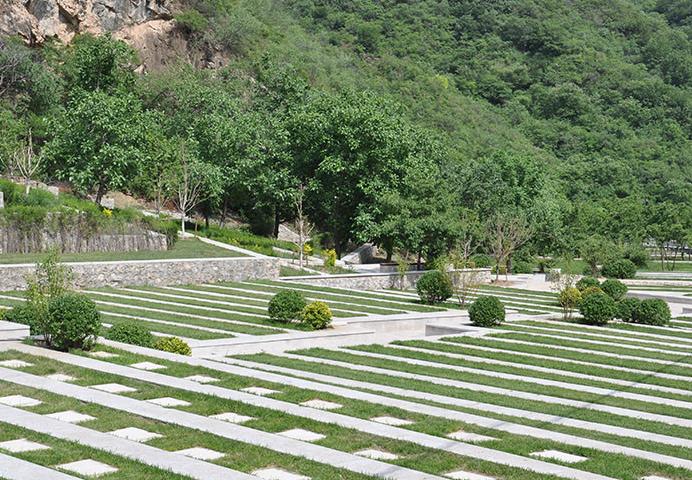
(130, 332)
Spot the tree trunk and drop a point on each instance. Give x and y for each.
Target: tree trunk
(419, 261)
(277, 222)
(100, 193)
(182, 221)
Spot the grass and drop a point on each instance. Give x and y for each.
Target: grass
(184, 248)
(626, 331)
(285, 271)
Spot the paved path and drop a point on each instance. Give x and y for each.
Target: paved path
(367, 426)
(12, 468)
(534, 368)
(136, 451)
(637, 329)
(237, 367)
(221, 428)
(477, 387)
(535, 380)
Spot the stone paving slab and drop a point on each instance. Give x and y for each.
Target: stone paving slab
(376, 454)
(231, 431)
(302, 435)
(138, 452)
(462, 475)
(70, 416)
(463, 436)
(559, 456)
(22, 445)
(135, 434)
(232, 417)
(261, 391)
(15, 364)
(88, 468)
(632, 335)
(19, 401)
(201, 453)
(536, 368)
(102, 354)
(169, 402)
(477, 387)
(12, 468)
(528, 379)
(277, 474)
(392, 421)
(113, 388)
(202, 379)
(61, 377)
(321, 404)
(149, 366)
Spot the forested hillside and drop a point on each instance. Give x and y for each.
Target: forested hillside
(414, 124)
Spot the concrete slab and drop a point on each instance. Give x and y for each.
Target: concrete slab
(61, 377)
(321, 404)
(70, 416)
(376, 454)
(232, 417)
(169, 402)
(15, 364)
(302, 435)
(559, 456)
(12, 468)
(19, 401)
(22, 445)
(463, 436)
(261, 391)
(135, 434)
(393, 421)
(114, 388)
(88, 468)
(201, 379)
(654, 477)
(10, 331)
(462, 475)
(149, 366)
(277, 474)
(201, 453)
(103, 355)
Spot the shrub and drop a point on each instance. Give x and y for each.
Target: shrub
(597, 309)
(481, 260)
(637, 255)
(615, 289)
(652, 311)
(38, 197)
(173, 345)
(586, 282)
(73, 322)
(569, 299)
(626, 308)
(521, 266)
(619, 268)
(487, 311)
(330, 258)
(587, 292)
(192, 21)
(317, 315)
(434, 287)
(23, 314)
(286, 306)
(130, 332)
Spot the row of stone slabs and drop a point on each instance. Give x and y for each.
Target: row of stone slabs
(93, 468)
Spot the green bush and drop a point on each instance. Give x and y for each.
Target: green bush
(652, 311)
(569, 298)
(13, 193)
(173, 345)
(192, 21)
(132, 333)
(587, 292)
(330, 258)
(619, 268)
(317, 315)
(637, 255)
(626, 308)
(586, 282)
(521, 266)
(286, 306)
(38, 197)
(23, 314)
(434, 287)
(615, 289)
(487, 311)
(73, 322)
(597, 309)
(481, 260)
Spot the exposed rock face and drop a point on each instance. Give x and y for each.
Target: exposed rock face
(37, 20)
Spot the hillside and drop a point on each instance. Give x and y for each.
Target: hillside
(592, 97)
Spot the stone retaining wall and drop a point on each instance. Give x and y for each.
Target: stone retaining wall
(372, 281)
(152, 272)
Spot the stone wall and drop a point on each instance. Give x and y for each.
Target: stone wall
(372, 281)
(152, 272)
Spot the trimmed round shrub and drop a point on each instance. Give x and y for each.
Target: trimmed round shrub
(598, 309)
(317, 315)
(130, 332)
(570, 297)
(652, 311)
(173, 345)
(626, 308)
(586, 282)
(434, 287)
(73, 322)
(286, 306)
(588, 291)
(615, 289)
(619, 268)
(487, 311)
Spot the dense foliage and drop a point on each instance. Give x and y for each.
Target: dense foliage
(615, 289)
(173, 345)
(72, 322)
(286, 306)
(316, 315)
(626, 308)
(587, 282)
(130, 332)
(487, 311)
(619, 268)
(652, 311)
(434, 287)
(597, 309)
(396, 120)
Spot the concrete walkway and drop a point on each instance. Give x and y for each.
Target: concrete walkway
(532, 368)
(12, 468)
(367, 426)
(535, 380)
(221, 428)
(139, 452)
(477, 387)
